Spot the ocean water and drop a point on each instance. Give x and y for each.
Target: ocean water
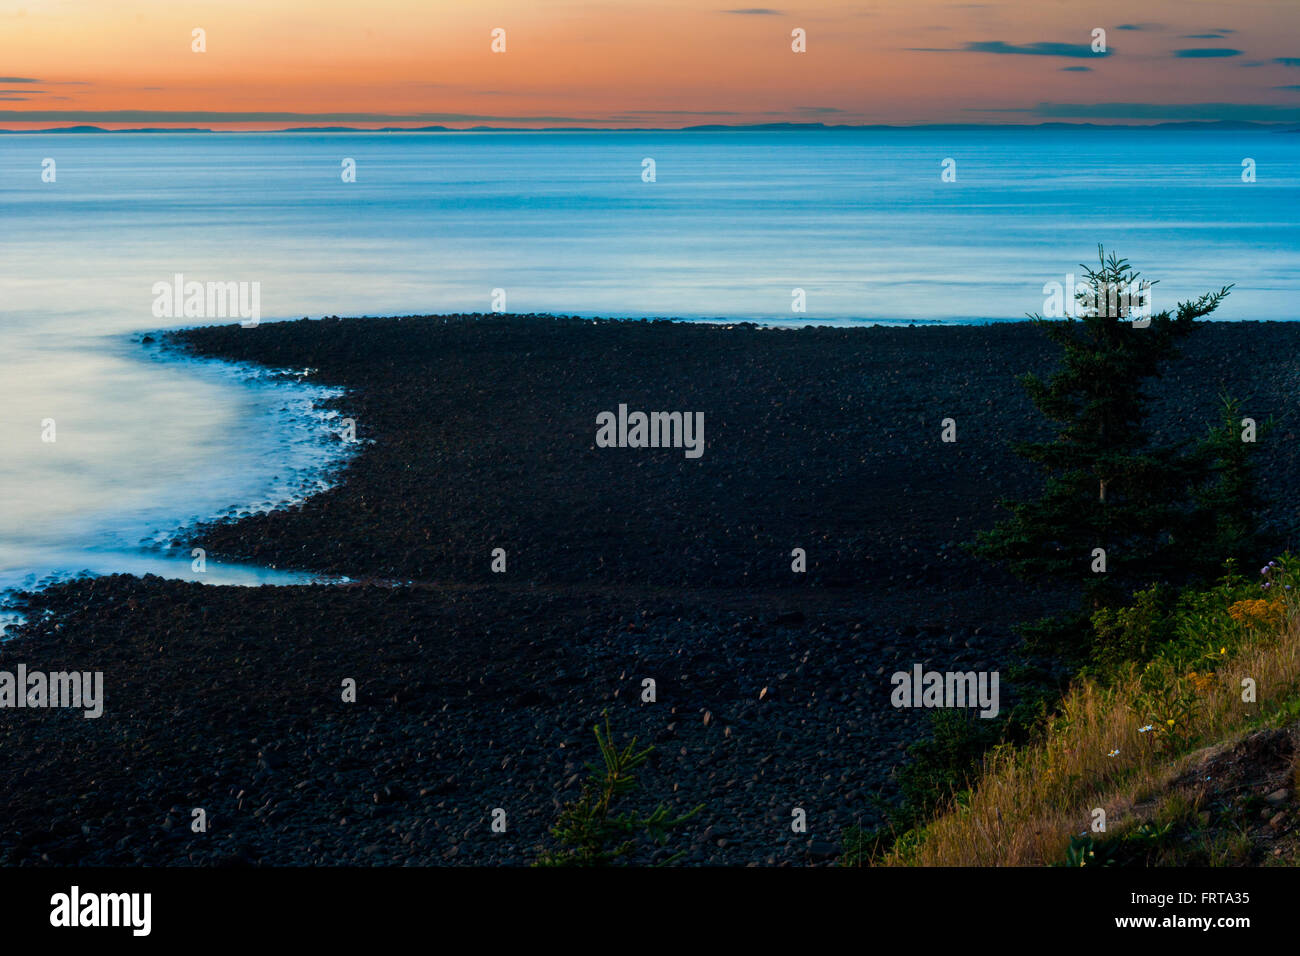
(559, 222)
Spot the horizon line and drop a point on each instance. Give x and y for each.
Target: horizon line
(708, 127)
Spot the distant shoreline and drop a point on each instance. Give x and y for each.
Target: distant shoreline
(1207, 125)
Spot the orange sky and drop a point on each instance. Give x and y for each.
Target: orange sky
(634, 63)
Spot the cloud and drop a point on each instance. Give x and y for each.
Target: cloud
(1287, 60)
(1076, 69)
(17, 79)
(1206, 53)
(1073, 50)
(678, 113)
(818, 109)
(1293, 87)
(1138, 26)
(1204, 36)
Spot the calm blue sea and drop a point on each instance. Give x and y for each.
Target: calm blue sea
(560, 222)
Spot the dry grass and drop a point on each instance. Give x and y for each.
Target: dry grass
(1031, 800)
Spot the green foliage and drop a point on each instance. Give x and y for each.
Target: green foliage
(1085, 851)
(944, 766)
(1135, 847)
(1175, 642)
(860, 846)
(940, 770)
(1181, 639)
(1107, 483)
(947, 762)
(1226, 522)
(1132, 632)
(588, 831)
(1172, 633)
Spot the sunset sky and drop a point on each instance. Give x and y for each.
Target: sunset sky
(630, 63)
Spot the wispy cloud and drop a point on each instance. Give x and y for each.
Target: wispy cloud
(1073, 50)
(1206, 53)
(678, 113)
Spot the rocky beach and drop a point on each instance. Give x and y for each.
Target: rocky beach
(509, 581)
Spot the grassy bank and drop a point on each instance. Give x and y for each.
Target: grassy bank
(1191, 755)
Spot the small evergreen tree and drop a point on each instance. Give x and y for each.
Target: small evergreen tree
(1108, 485)
(588, 831)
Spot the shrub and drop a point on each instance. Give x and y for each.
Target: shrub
(588, 831)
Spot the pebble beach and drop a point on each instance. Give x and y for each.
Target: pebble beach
(506, 581)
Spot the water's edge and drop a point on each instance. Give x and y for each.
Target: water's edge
(308, 429)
